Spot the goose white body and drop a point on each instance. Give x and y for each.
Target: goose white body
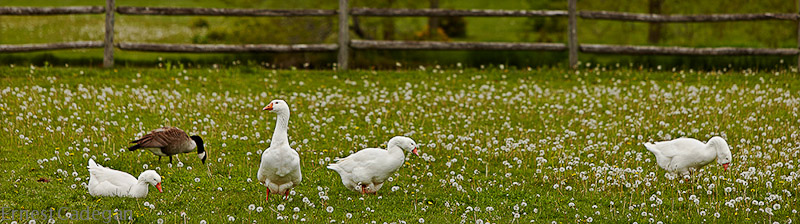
(280, 169)
(680, 156)
(105, 181)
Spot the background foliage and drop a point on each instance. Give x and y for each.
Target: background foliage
(240, 30)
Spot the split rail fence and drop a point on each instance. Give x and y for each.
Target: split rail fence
(345, 43)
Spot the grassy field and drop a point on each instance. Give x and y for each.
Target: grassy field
(497, 146)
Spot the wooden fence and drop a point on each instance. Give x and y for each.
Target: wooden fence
(344, 43)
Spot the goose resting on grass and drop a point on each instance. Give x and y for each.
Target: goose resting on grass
(365, 171)
(168, 141)
(682, 155)
(279, 170)
(105, 181)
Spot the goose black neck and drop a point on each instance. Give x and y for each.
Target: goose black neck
(201, 149)
(199, 142)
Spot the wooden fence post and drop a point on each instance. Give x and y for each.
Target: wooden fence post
(108, 44)
(344, 36)
(573, 34)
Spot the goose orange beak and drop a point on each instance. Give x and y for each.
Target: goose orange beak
(268, 107)
(415, 151)
(726, 166)
(159, 187)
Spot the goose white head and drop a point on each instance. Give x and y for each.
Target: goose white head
(724, 155)
(277, 106)
(152, 178)
(405, 143)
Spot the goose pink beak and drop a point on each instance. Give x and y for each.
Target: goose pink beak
(159, 187)
(268, 107)
(415, 151)
(726, 166)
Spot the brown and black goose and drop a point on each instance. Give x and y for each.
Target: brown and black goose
(168, 141)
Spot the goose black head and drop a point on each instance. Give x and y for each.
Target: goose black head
(201, 150)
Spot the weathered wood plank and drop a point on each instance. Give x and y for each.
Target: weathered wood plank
(9, 48)
(108, 43)
(344, 37)
(798, 35)
(168, 11)
(572, 33)
(438, 45)
(51, 10)
(454, 12)
(656, 50)
(642, 17)
(225, 48)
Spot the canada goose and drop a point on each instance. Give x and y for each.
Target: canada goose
(168, 141)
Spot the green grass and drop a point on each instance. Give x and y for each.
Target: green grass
(546, 145)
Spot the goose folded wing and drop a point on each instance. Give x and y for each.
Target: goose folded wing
(162, 137)
(365, 158)
(115, 177)
(675, 148)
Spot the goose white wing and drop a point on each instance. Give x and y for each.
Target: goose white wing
(365, 158)
(274, 162)
(677, 147)
(114, 177)
(291, 168)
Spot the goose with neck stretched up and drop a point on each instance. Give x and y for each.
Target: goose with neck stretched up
(365, 171)
(169, 141)
(105, 181)
(681, 156)
(280, 164)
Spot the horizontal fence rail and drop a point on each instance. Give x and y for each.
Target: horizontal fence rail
(225, 48)
(604, 15)
(344, 43)
(642, 17)
(656, 50)
(125, 10)
(441, 45)
(50, 46)
(454, 12)
(21, 11)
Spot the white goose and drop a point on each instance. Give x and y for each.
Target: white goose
(105, 181)
(280, 164)
(681, 155)
(365, 171)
